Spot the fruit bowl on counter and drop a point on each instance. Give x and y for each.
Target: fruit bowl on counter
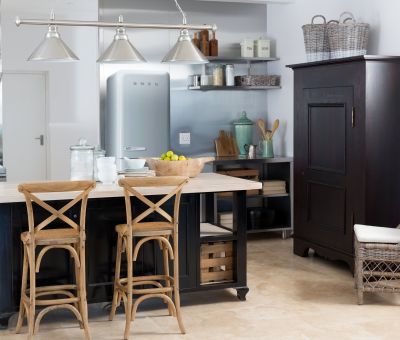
(173, 165)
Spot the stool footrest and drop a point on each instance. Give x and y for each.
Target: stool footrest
(148, 278)
(53, 288)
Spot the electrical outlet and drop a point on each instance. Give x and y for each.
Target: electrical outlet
(184, 138)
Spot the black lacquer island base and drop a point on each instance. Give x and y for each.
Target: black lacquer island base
(102, 215)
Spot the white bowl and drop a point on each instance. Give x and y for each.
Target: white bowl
(134, 163)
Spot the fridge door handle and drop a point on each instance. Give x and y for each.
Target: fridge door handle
(134, 148)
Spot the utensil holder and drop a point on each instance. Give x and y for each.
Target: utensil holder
(267, 148)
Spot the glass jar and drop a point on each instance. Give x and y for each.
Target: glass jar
(243, 132)
(230, 75)
(218, 75)
(82, 161)
(98, 152)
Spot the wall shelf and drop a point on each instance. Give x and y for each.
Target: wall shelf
(239, 60)
(232, 88)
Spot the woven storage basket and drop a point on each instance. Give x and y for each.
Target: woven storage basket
(347, 38)
(316, 40)
(258, 80)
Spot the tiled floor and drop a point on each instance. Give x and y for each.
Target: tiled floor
(290, 298)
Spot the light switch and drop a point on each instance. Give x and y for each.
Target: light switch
(184, 138)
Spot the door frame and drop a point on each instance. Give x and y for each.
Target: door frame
(45, 74)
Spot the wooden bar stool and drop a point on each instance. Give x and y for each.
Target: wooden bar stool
(70, 237)
(162, 286)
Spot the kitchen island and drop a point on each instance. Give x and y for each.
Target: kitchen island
(201, 240)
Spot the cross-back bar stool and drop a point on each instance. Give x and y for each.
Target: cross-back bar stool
(39, 240)
(163, 286)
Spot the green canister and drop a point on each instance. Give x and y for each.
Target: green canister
(243, 132)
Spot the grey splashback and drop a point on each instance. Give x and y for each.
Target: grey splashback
(202, 114)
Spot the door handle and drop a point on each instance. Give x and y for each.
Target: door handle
(40, 139)
(135, 148)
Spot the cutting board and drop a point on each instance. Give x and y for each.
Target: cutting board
(225, 145)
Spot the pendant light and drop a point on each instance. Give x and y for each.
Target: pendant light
(52, 48)
(121, 50)
(184, 51)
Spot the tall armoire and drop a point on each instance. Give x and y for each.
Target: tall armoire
(346, 151)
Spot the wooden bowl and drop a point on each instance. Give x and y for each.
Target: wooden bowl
(188, 168)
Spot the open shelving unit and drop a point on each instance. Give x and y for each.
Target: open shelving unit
(278, 168)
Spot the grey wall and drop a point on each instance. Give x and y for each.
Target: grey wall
(201, 113)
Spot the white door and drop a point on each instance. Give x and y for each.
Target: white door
(24, 129)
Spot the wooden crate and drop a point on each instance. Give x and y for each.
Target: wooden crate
(216, 262)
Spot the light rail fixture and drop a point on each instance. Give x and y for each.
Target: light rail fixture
(52, 48)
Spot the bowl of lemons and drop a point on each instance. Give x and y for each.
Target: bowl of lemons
(172, 164)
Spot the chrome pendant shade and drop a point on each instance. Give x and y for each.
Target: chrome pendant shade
(185, 52)
(52, 48)
(121, 50)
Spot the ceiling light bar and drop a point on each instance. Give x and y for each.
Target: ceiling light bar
(19, 22)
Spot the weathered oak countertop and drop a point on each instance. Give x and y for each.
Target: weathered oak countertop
(205, 182)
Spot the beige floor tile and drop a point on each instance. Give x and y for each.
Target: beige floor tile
(290, 298)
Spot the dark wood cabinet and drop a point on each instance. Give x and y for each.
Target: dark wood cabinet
(346, 151)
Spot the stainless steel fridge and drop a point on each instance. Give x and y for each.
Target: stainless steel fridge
(137, 115)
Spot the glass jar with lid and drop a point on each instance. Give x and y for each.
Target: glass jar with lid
(82, 161)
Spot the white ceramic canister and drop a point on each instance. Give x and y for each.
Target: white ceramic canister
(262, 48)
(247, 48)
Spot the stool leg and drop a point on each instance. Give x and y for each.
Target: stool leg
(22, 310)
(78, 305)
(128, 309)
(32, 291)
(177, 299)
(116, 298)
(166, 272)
(82, 288)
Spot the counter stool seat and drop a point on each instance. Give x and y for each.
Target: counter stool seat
(144, 228)
(42, 238)
(52, 236)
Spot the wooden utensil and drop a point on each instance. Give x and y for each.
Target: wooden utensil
(274, 127)
(261, 125)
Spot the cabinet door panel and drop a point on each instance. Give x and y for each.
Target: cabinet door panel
(323, 156)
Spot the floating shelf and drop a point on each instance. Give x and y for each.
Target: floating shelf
(240, 60)
(232, 88)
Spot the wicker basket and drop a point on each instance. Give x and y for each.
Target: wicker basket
(258, 80)
(316, 40)
(347, 37)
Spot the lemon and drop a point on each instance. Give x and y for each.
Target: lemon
(174, 157)
(166, 158)
(169, 153)
(182, 158)
(163, 156)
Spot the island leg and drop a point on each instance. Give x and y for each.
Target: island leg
(239, 209)
(242, 292)
(4, 320)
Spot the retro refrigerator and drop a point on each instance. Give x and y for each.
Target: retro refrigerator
(137, 115)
